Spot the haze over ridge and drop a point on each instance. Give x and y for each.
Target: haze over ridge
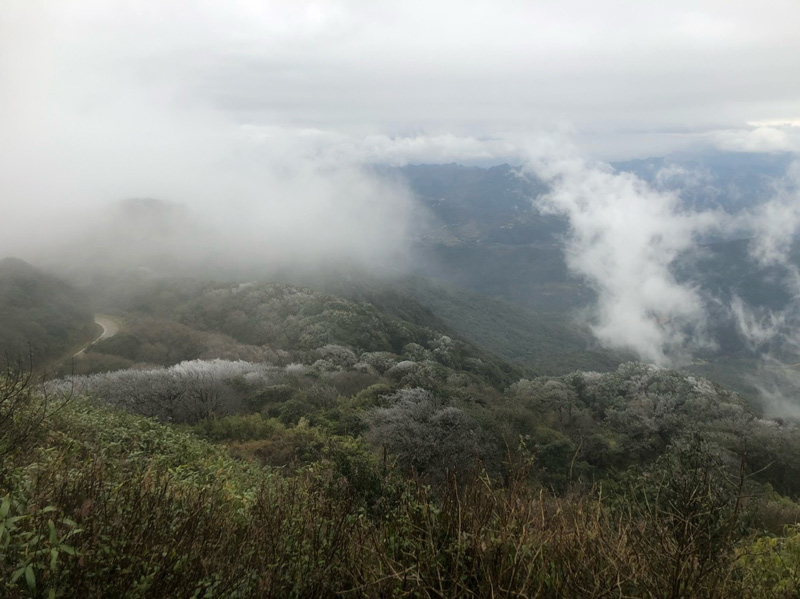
(260, 118)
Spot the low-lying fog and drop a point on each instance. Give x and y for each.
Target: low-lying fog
(200, 139)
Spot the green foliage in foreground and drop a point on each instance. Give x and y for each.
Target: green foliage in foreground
(429, 418)
(96, 502)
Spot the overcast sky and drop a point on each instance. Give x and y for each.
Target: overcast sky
(430, 80)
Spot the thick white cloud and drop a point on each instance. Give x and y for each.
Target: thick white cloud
(86, 122)
(774, 226)
(762, 138)
(624, 237)
(776, 333)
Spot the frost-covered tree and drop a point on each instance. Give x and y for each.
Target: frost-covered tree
(186, 392)
(424, 433)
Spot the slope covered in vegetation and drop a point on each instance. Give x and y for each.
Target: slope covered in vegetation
(542, 342)
(171, 321)
(39, 314)
(95, 501)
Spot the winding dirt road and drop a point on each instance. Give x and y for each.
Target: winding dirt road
(110, 326)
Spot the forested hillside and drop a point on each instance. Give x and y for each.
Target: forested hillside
(40, 315)
(539, 341)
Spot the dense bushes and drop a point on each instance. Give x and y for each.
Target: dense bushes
(426, 434)
(587, 426)
(110, 504)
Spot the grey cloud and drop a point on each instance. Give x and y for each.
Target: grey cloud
(415, 68)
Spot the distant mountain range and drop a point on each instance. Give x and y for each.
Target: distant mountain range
(730, 181)
(497, 205)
